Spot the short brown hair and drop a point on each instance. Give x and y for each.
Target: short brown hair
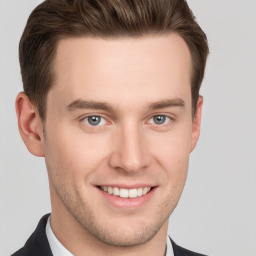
(54, 19)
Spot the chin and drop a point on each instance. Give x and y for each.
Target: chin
(127, 231)
(125, 237)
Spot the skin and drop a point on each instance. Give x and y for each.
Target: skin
(127, 147)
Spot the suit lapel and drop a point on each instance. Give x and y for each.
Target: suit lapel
(37, 244)
(179, 251)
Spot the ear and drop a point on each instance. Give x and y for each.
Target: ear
(197, 123)
(30, 124)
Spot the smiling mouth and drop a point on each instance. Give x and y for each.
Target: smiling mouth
(126, 193)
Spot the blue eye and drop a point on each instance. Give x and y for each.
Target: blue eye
(95, 120)
(160, 119)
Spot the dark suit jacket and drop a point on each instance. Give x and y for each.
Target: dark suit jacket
(38, 245)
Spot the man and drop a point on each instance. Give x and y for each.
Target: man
(111, 100)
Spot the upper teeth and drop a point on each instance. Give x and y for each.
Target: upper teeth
(125, 193)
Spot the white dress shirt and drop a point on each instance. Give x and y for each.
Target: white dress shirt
(59, 250)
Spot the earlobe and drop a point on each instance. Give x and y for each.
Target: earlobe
(30, 124)
(197, 123)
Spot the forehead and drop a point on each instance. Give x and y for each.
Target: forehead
(122, 67)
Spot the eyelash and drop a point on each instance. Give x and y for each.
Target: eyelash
(170, 119)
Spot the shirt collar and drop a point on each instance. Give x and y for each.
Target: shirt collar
(59, 250)
(169, 249)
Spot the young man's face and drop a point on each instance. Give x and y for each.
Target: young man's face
(119, 118)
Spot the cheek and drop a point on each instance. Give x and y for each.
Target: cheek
(173, 149)
(175, 160)
(171, 152)
(175, 163)
(73, 154)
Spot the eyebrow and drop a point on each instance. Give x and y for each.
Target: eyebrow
(177, 102)
(83, 104)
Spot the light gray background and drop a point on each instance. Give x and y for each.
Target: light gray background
(217, 212)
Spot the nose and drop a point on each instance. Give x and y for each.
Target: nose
(130, 152)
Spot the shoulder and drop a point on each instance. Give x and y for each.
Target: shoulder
(20, 252)
(37, 244)
(180, 251)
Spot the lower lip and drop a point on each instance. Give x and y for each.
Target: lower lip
(128, 203)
